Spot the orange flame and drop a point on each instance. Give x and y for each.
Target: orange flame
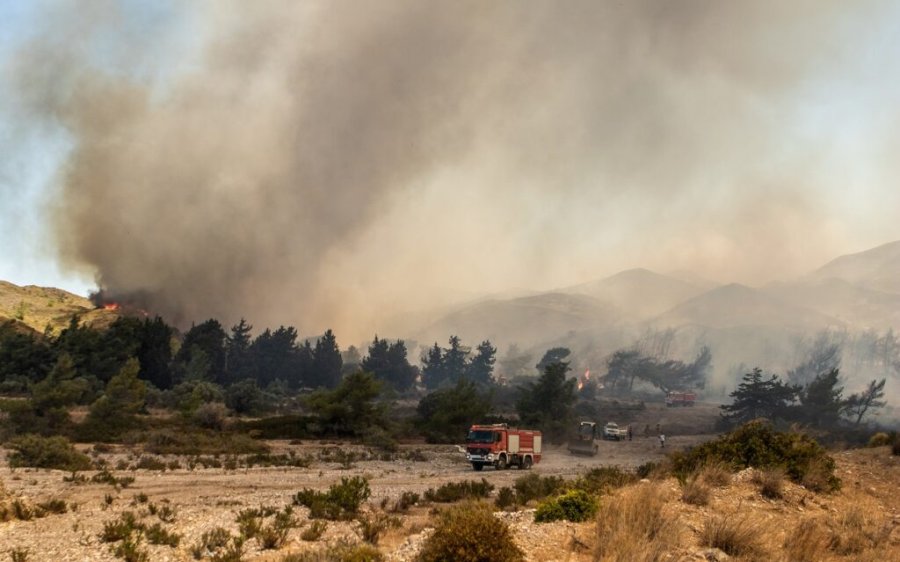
(111, 306)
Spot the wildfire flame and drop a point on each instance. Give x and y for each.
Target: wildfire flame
(111, 306)
(587, 375)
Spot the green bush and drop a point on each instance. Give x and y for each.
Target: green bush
(455, 491)
(47, 452)
(603, 479)
(340, 502)
(506, 497)
(574, 505)
(469, 532)
(758, 445)
(535, 487)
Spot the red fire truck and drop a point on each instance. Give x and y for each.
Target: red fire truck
(678, 398)
(502, 447)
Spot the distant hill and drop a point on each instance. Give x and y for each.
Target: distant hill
(738, 305)
(639, 293)
(525, 320)
(859, 307)
(877, 269)
(41, 307)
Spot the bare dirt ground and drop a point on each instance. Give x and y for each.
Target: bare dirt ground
(206, 498)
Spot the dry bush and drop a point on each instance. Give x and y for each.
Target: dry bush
(632, 527)
(715, 474)
(880, 439)
(770, 482)
(696, 491)
(808, 542)
(734, 535)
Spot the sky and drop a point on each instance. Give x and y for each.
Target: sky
(335, 164)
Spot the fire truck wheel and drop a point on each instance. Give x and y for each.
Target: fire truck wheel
(526, 463)
(477, 466)
(501, 462)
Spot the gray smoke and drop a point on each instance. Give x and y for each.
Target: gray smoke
(332, 163)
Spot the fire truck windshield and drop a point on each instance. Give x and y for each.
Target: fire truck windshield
(480, 436)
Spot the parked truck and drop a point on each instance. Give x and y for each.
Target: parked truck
(677, 398)
(612, 432)
(584, 441)
(501, 446)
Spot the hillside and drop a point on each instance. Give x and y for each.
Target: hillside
(858, 306)
(639, 293)
(40, 307)
(877, 269)
(739, 305)
(526, 321)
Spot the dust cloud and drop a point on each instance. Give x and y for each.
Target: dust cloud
(337, 164)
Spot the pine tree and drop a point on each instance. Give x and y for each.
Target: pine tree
(758, 398)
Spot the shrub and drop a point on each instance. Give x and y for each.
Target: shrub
(604, 479)
(130, 550)
(372, 527)
(715, 474)
(315, 531)
(880, 439)
(632, 527)
(147, 462)
(456, 491)
(758, 445)
(211, 543)
(695, 491)
(405, 501)
(121, 528)
(535, 487)
(106, 477)
(808, 542)
(506, 497)
(574, 505)
(895, 448)
(47, 452)
(340, 502)
(469, 532)
(770, 482)
(652, 469)
(156, 534)
(275, 534)
(735, 536)
(53, 506)
(337, 553)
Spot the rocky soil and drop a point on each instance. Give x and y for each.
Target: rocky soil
(204, 498)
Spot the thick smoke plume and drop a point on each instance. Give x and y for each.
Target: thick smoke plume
(333, 163)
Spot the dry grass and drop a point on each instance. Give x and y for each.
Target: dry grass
(808, 542)
(735, 535)
(633, 527)
(857, 530)
(696, 491)
(770, 482)
(716, 475)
